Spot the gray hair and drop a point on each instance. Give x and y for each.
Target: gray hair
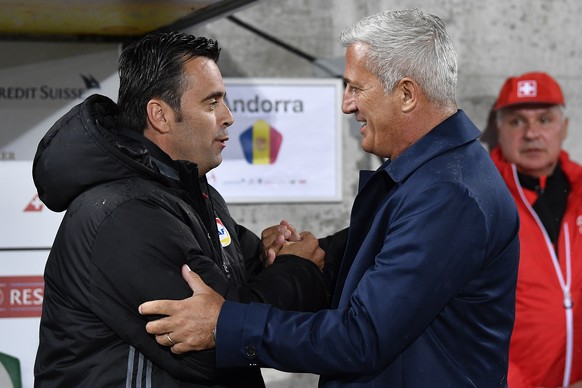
(408, 43)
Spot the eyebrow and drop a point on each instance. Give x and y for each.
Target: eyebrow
(214, 96)
(352, 83)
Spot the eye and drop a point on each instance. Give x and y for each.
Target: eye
(213, 103)
(351, 89)
(545, 119)
(516, 122)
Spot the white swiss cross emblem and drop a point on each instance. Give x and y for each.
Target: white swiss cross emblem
(35, 205)
(527, 89)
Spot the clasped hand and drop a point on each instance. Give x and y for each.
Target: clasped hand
(283, 239)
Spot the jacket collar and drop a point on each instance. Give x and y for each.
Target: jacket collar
(455, 131)
(162, 161)
(572, 170)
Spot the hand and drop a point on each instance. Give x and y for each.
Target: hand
(189, 323)
(274, 238)
(308, 248)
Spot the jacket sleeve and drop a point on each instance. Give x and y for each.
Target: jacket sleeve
(334, 247)
(250, 246)
(137, 255)
(417, 269)
(290, 283)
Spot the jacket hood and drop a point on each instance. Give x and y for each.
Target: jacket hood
(83, 149)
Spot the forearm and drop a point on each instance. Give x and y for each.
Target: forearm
(257, 334)
(291, 283)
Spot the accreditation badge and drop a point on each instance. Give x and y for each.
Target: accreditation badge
(223, 234)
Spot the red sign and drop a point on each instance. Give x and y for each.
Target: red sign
(35, 205)
(21, 296)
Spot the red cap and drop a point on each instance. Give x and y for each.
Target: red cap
(530, 88)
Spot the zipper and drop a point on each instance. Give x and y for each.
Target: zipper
(564, 284)
(220, 252)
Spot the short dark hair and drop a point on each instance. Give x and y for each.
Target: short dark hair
(152, 67)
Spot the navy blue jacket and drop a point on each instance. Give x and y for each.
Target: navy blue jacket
(425, 294)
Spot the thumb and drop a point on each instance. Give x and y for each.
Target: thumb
(194, 280)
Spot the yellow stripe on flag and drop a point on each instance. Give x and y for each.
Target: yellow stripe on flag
(261, 142)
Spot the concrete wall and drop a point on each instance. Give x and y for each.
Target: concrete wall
(494, 39)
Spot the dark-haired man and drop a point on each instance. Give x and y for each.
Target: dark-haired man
(131, 176)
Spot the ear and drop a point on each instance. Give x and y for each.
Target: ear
(158, 113)
(565, 128)
(408, 94)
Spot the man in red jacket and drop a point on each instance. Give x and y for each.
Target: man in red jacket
(546, 344)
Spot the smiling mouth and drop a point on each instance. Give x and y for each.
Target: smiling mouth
(362, 125)
(360, 120)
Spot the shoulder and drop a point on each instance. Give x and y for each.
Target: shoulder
(101, 201)
(572, 169)
(464, 179)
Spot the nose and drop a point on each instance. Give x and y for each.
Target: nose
(348, 101)
(532, 130)
(227, 119)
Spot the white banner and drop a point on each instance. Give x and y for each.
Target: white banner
(285, 143)
(26, 223)
(21, 295)
(39, 82)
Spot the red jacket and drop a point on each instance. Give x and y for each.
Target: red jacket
(538, 350)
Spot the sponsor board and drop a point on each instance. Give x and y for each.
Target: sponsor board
(21, 296)
(285, 141)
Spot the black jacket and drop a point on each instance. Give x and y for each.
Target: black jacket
(134, 217)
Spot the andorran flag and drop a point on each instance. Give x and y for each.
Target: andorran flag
(261, 143)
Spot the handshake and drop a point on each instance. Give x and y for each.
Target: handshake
(283, 239)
